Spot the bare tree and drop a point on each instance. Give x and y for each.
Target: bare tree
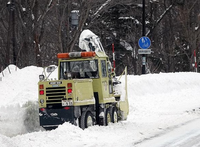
(43, 28)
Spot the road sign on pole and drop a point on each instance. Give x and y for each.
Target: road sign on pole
(144, 42)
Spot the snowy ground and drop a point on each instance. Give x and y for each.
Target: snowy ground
(158, 103)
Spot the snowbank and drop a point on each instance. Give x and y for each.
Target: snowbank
(157, 102)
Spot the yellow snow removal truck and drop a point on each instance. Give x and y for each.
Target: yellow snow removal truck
(86, 92)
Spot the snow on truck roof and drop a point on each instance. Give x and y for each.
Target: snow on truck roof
(90, 42)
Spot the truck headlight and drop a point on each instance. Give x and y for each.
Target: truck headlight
(42, 101)
(41, 77)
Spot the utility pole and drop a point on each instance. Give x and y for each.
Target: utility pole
(11, 8)
(143, 34)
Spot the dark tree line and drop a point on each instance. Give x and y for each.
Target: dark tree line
(34, 31)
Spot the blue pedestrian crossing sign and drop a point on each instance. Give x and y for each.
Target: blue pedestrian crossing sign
(144, 42)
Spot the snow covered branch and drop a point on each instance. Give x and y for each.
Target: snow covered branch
(160, 18)
(102, 6)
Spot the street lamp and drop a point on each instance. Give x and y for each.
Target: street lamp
(74, 18)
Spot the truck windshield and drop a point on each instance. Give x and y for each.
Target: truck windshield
(79, 69)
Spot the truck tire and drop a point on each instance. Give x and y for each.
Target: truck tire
(86, 120)
(114, 115)
(107, 117)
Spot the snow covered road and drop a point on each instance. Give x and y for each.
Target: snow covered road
(185, 135)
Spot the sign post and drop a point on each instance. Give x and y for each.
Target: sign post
(143, 34)
(195, 61)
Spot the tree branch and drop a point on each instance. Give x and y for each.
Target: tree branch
(159, 20)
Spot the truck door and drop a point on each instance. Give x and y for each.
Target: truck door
(105, 81)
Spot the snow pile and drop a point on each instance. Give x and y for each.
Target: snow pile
(157, 102)
(18, 101)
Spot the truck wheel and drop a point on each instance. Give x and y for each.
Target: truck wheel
(86, 120)
(114, 115)
(107, 117)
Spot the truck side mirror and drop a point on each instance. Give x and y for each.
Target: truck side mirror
(51, 69)
(109, 67)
